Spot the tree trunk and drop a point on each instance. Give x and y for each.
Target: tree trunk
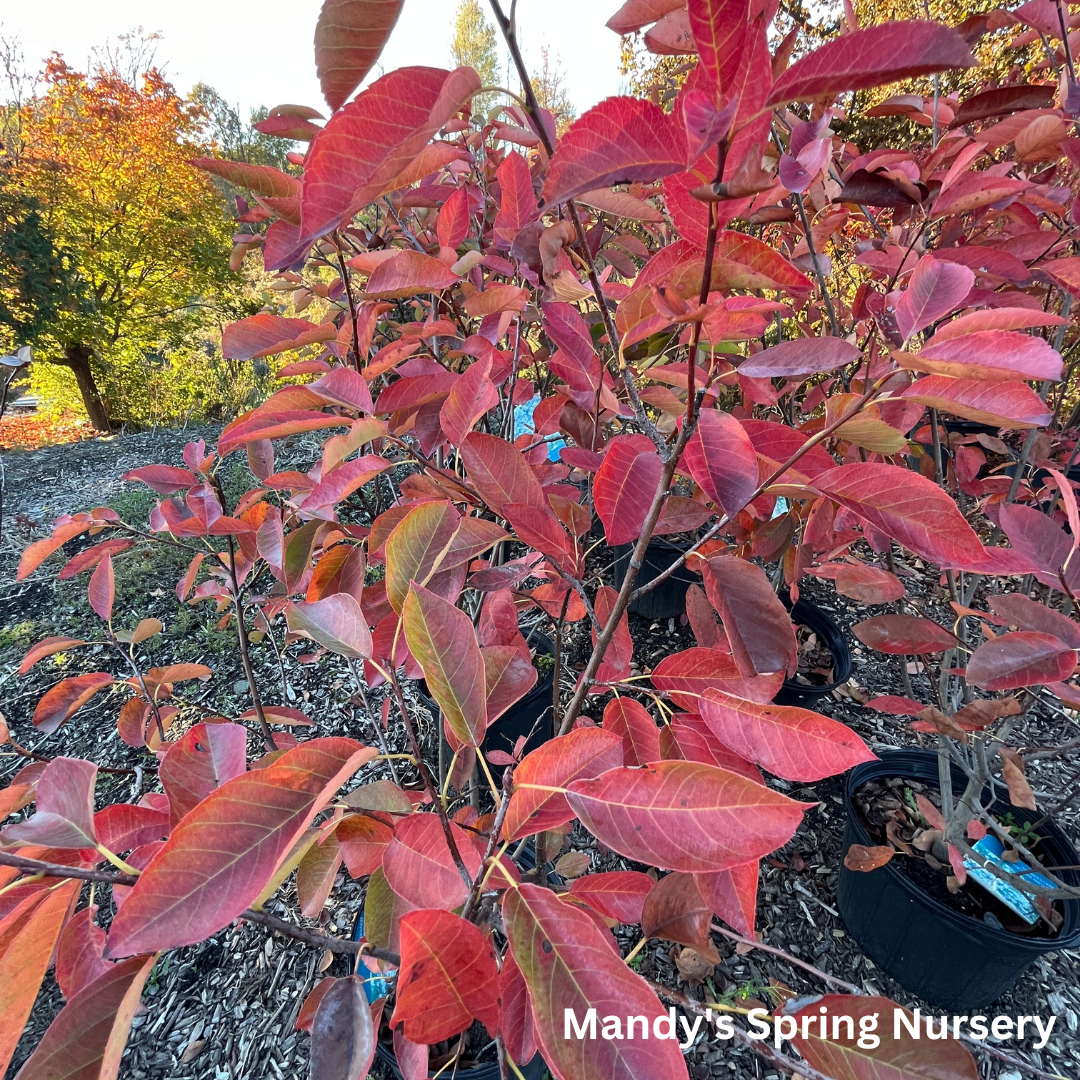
(77, 357)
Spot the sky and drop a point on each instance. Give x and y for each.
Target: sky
(261, 54)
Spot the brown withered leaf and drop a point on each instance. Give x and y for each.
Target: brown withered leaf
(693, 967)
(984, 711)
(192, 1051)
(1047, 910)
(926, 839)
(864, 859)
(573, 864)
(1012, 772)
(946, 725)
(892, 831)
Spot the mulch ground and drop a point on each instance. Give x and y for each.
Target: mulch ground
(227, 1008)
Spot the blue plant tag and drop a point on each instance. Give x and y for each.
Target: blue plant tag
(524, 425)
(376, 985)
(991, 849)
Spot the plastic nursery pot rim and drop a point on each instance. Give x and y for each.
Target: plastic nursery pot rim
(806, 613)
(907, 764)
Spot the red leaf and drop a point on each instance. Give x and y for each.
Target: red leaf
(635, 14)
(164, 479)
(470, 398)
(30, 933)
(906, 506)
(336, 622)
(267, 335)
(1020, 659)
(584, 753)
(516, 1024)
(681, 815)
(452, 225)
(448, 977)
(223, 852)
(443, 640)
(57, 704)
(517, 203)
(625, 486)
(500, 473)
(34, 555)
(420, 867)
(88, 1036)
(412, 1058)
(758, 628)
(343, 1032)
(621, 140)
(257, 426)
(895, 705)
(933, 290)
(260, 179)
(1004, 404)
(868, 584)
(719, 28)
(407, 274)
(92, 557)
(78, 953)
(904, 635)
(102, 589)
(676, 911)
(371, 140)
(688, 674)
(721, 460)
(123, 826)
(47, 647)
(348, 40)
(803, 356)
(206, 756)
(618, 894)
(1023, 612)
(904, 1057)
(697, 743)
(872, 57)
(315, 875)
(508, 676)
(640, 736)
(362, 840)
(789, 742)
(732, 895)
(991, 355)
(708, 633)
(567, 964)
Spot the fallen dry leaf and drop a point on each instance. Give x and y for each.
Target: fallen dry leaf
(864, 859)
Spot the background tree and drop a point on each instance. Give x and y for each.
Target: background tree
(551, 93)
(235, 138)
(475, 45)
(104, 156)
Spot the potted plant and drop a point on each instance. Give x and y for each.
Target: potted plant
(957, 949)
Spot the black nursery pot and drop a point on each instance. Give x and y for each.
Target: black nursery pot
(668, 599)
(793, 692)
(948, 959)
(969, 427)
(531, 716)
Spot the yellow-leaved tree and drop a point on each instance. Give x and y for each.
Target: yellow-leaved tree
(104, 157)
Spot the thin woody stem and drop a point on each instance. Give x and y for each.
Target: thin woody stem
(105, 877)
(425, 775)
(532, 107)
